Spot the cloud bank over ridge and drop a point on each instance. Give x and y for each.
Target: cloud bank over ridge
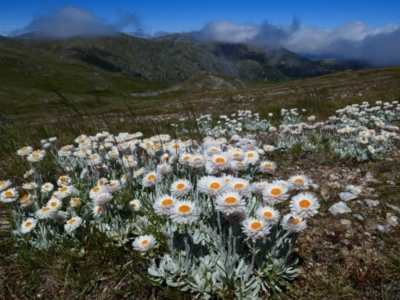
(380, 46)
(70, 20)
(355, 40)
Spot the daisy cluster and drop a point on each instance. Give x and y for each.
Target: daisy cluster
(358, 131)
(213, 193)
(200, 210)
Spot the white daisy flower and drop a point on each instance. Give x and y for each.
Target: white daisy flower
(28, 225)
(9, 195)
(36, 156)
(4, 184)
(129, 161)
(268, 214)
(304, 205)
(113, 186)
(242, 186)
(197, 161)
(64, 180)
(47, 187)
(184, 158)
(26, 200)
(150, 179)
(275, 193)
(138, 172)
(184, 212)
(252, 157)
(54, 203)
(299, 182)
(229, 203)
(212, 186)
(217, 162)
(74, 202)
(144, 243)
(236, 154)
(255, 228)
(180, 188)
(267, 166)
(25, 151)
(97, 190)
(293, 223)
(65, 191)
(164, 168)
(95, 159)
(236, 165)
(135, 204)
(45, 212)
(163, 205)
(97, 210)
(72, 224)
(102, 198)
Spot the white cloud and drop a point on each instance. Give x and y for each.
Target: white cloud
(70, 20)
(380, 46)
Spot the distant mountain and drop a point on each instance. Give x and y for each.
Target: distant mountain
(171, 58)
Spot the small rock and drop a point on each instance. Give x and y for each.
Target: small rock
(382, 228)
(358, 216)
(339, 208)
(371, 203)
(346, 196)
(394, 207)
(333, 177)
(355, 189)
(345, 222)
(391, 182)
(391, 220)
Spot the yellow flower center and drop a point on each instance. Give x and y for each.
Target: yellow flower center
(75, 201)
(25, 197)
(305, 203)
(268, 214)
(45, 209)
(250, 154)
(35, 155)
(197, 159)
(96, 189)
(63, 179)
(112, 184)
(186, 158)
(28, 224)
(63, 189)
(215, 185)
(298, 180)
(167, 202)
(236, 154)
(9, 194)
(151, 177)
(184, 208)
(276, 191)
(238, 186)
(268, 165)
(230, 200)
(176, 146)
(24, 149)
(180, 186)
(255, 225)
(72, 221)
(297, 220)
(53, 204)
(220, 160)
(144, 242)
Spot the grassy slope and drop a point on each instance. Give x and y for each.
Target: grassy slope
(328, 271)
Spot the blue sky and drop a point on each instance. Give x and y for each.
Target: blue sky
(349, 28)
